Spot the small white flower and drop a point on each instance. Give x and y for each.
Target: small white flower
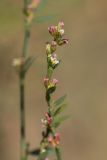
(16, 62)
(44, 121)
(61, 31)
(54, 61)
(43, 150)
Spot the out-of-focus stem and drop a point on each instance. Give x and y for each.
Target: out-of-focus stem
(23, 155)
(26, 40)
(27, 27)
(23, 145)
(58, 154)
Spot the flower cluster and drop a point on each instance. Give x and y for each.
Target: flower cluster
(57, 32)
(48, 119)
(54, 141)
(30, 10)
(50, 137)
(18, 63)
(53, 61)
(51, 47)
(50, 85)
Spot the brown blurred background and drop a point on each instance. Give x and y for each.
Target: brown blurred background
(82, 75)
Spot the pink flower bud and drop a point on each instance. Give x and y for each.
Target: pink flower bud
(50, 139)
(61, 24)
(53, 46)
(53, 43)
(55, 81)
(33, 4)
(54, 140)
(46, 115)
(52, 30)
(46, 80)
(57, 137)
(36, 1)
(54, 55)
(29, 7)
(49, 118)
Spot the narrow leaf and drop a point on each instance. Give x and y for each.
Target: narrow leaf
(58, 120)
(41, 5)
(28, 63)
(50, 151)
(35, 152)
(59, 109)
(45, 18)
(43, 155)
(63, 118)
(59, 101)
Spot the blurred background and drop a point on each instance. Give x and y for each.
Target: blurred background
(82, 76)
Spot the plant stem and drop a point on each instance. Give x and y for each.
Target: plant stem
(23, 155)
(58, 154)
(57, 151)
(25, 3)
(26, 32)
(26, 40)
(23, 145)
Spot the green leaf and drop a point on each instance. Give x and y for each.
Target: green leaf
(59, 109)
(58, 152)
(60, 101)
(45, 18)
(28, 63)
(41, 5)
(43, 155)
(34, 152)
(50, 150)
(58, 120)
